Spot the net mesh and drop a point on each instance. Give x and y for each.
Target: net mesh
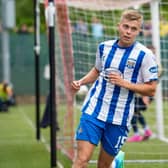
(76, 45)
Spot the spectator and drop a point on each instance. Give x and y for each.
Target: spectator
(163, 27)
(147, 28)
(7, 96)
(97, 28)
(31, 29)
(23, 29)
(81, 27)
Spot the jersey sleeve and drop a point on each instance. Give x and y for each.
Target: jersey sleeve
(99, 53)
(149, 69)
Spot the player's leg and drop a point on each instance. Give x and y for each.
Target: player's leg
(142, 120)
(84, 152)
(104, 159)
(135, 116)
(147, 131)
(112, 140)
(134, 123)
(136, 136)
(138, 107)
(88, 135)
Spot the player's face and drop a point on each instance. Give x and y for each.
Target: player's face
(128, 31)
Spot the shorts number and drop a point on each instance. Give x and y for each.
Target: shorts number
(120, 142)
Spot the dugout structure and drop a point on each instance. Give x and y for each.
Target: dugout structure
(75, 55)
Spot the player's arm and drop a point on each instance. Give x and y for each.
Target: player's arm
(149, 74)
(145, 89)
(90, 77)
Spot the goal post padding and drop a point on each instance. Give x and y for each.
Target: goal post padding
(64, 32)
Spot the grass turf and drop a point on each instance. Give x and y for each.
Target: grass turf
(20, 149)
(18, 145)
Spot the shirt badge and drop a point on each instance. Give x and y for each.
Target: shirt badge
(131, 63)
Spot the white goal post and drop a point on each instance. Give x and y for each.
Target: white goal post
(156, 42)
(102, 5)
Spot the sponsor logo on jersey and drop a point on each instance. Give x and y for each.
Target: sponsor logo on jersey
(153, 69)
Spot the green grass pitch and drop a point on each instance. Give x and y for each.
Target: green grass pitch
(20, 149)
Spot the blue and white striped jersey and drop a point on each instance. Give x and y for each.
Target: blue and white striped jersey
(111, 103)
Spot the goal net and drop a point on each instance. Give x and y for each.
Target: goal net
(80, 26)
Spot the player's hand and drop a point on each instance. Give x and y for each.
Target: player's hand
(116, 79)
(75, 85)
(146, 100)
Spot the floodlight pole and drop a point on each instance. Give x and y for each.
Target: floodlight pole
(37, 55)
(8, 22)
(51, 31)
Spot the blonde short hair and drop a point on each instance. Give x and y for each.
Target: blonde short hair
(132, 15)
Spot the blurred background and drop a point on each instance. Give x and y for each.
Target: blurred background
(79, 27)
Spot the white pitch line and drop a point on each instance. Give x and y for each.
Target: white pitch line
(137, 161)
(164, 139)
(30, 123)
(146, 161)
